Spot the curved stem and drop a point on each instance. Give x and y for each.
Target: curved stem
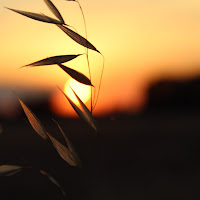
(86, 51)
(99, 83)
(83, 18)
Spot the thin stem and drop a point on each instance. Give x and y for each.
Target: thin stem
(94, 93)
(83, 18)
(86, 51)
(99, 83)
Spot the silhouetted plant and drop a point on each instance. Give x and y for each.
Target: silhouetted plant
(67, 152)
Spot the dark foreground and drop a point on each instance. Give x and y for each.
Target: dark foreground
(150, 156)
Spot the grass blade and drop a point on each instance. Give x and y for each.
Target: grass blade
(76, 75)
(54, 10)
(75, 107)
(64, 135)
(77, 38)
(34, 121)
(38, 127)
(63, 151)
(53, 60)
(85, 115)
(36, 16)
(70, 146)
(54, 181)
(8, 170)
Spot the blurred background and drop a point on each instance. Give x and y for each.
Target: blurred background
(148, 109)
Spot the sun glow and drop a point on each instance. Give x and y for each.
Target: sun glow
(83, 91)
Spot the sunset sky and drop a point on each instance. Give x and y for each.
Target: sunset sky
(141, 40)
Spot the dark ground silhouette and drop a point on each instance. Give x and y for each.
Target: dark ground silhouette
(151, 155)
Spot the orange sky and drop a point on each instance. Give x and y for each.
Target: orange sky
(140, 40)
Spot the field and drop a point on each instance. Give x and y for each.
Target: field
(154, 155)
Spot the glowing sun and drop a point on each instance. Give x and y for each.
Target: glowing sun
(83, 91)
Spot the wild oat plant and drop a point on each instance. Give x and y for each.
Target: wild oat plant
(66, 152)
